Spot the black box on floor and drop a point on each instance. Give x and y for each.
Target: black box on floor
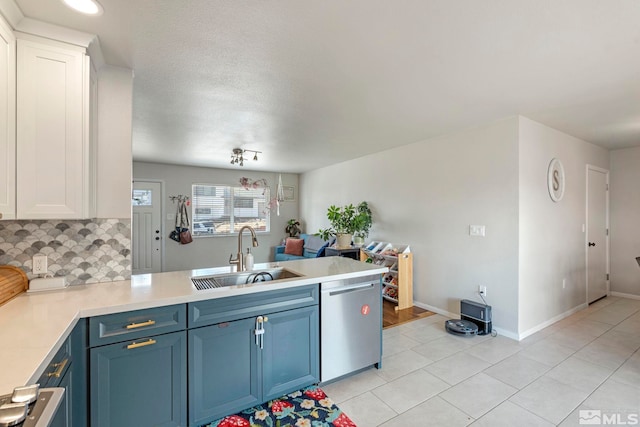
(480, 314)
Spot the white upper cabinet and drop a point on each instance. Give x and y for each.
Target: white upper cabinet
(54, 156)
(7, 122)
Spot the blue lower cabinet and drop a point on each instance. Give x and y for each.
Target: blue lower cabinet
(140, 383)
(68, 370)
(223, 370)
(63, 417)
(231, 367)
(290, 354)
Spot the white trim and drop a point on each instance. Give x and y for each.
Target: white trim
(500, 331)
(18, 22)
(623, 295)
(551, 321)
(436, 309)
(12, 13)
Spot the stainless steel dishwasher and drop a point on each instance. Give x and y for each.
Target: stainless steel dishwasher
(350, 326)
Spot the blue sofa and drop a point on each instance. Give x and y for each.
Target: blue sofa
(314, 247)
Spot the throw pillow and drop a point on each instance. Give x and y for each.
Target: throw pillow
(293, 246)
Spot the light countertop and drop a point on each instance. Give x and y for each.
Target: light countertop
(34, 325)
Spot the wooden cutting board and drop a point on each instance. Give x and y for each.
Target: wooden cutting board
(13, 281)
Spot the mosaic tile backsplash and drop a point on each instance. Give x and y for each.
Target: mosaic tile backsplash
(84, 251)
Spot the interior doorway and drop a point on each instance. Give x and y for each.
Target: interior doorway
(597, 238)
(146, 230)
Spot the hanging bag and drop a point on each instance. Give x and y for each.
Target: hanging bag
(175, 233)
(185, 234)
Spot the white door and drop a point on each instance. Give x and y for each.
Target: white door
(597, 233)
(146, 233)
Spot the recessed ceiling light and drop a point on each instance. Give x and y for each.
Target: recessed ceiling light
(88, 7)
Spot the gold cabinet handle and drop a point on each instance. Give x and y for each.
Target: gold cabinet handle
(141, 344)
(59, 368)
(141, 324)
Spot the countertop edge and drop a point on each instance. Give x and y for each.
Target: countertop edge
(54, 314)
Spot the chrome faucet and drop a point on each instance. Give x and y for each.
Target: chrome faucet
(239, 261)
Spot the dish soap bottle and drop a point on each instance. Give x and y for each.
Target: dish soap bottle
(248, 260)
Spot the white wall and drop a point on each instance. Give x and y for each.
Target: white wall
(214, 251)
(625, 221)
(552, 243)
(115, 95)
(426, 195)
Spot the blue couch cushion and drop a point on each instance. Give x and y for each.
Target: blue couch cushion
(314, 246)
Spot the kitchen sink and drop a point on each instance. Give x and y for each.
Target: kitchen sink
(243, 278)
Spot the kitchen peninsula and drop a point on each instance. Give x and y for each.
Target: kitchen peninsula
(35, 325)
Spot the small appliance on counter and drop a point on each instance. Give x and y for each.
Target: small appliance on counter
(30, 406)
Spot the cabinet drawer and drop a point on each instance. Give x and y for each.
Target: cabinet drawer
(130, 325)
(58, 366)
(214, 311)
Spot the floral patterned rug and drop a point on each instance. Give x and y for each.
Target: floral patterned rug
(309, 407)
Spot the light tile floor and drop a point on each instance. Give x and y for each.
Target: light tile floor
(588, 361)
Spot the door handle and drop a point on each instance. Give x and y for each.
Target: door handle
(351, 289)
(592, 244)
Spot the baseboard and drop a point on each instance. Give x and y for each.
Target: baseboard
(623, 295)
(499, 331)
(436, 309)
(551, 321)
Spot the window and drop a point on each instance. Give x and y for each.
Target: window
(141, 198)
(221, 210)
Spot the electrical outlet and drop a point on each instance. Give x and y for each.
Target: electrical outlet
(482, 290)
(40, 264)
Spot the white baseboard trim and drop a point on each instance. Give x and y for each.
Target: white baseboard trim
(551, 321)
(623, 295)
(500, 331)
(436, 310)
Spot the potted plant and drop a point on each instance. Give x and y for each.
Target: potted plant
(293, 228)
(364, 221)
(347, 221)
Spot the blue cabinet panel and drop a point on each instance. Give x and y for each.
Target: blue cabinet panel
(67, 369)
(290, 353)
(130, 325)
(77, 391)
(140, 383)
(63, 417)
(214, 311)
(223, 370)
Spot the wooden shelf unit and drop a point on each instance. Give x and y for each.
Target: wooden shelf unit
(400, 269)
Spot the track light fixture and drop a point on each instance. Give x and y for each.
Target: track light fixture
(238, 158)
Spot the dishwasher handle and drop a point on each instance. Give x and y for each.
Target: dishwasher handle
(349, 289)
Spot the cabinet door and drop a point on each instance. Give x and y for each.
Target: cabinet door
(51, 151)
(7, 122)
(63, 417)
(223, 370)
(290, 353)
(140, 383)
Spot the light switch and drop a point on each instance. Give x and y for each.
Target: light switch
(476, 230)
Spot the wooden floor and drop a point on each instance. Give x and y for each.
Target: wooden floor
(392, 317)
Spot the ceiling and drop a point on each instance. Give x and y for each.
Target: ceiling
(312, 83)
